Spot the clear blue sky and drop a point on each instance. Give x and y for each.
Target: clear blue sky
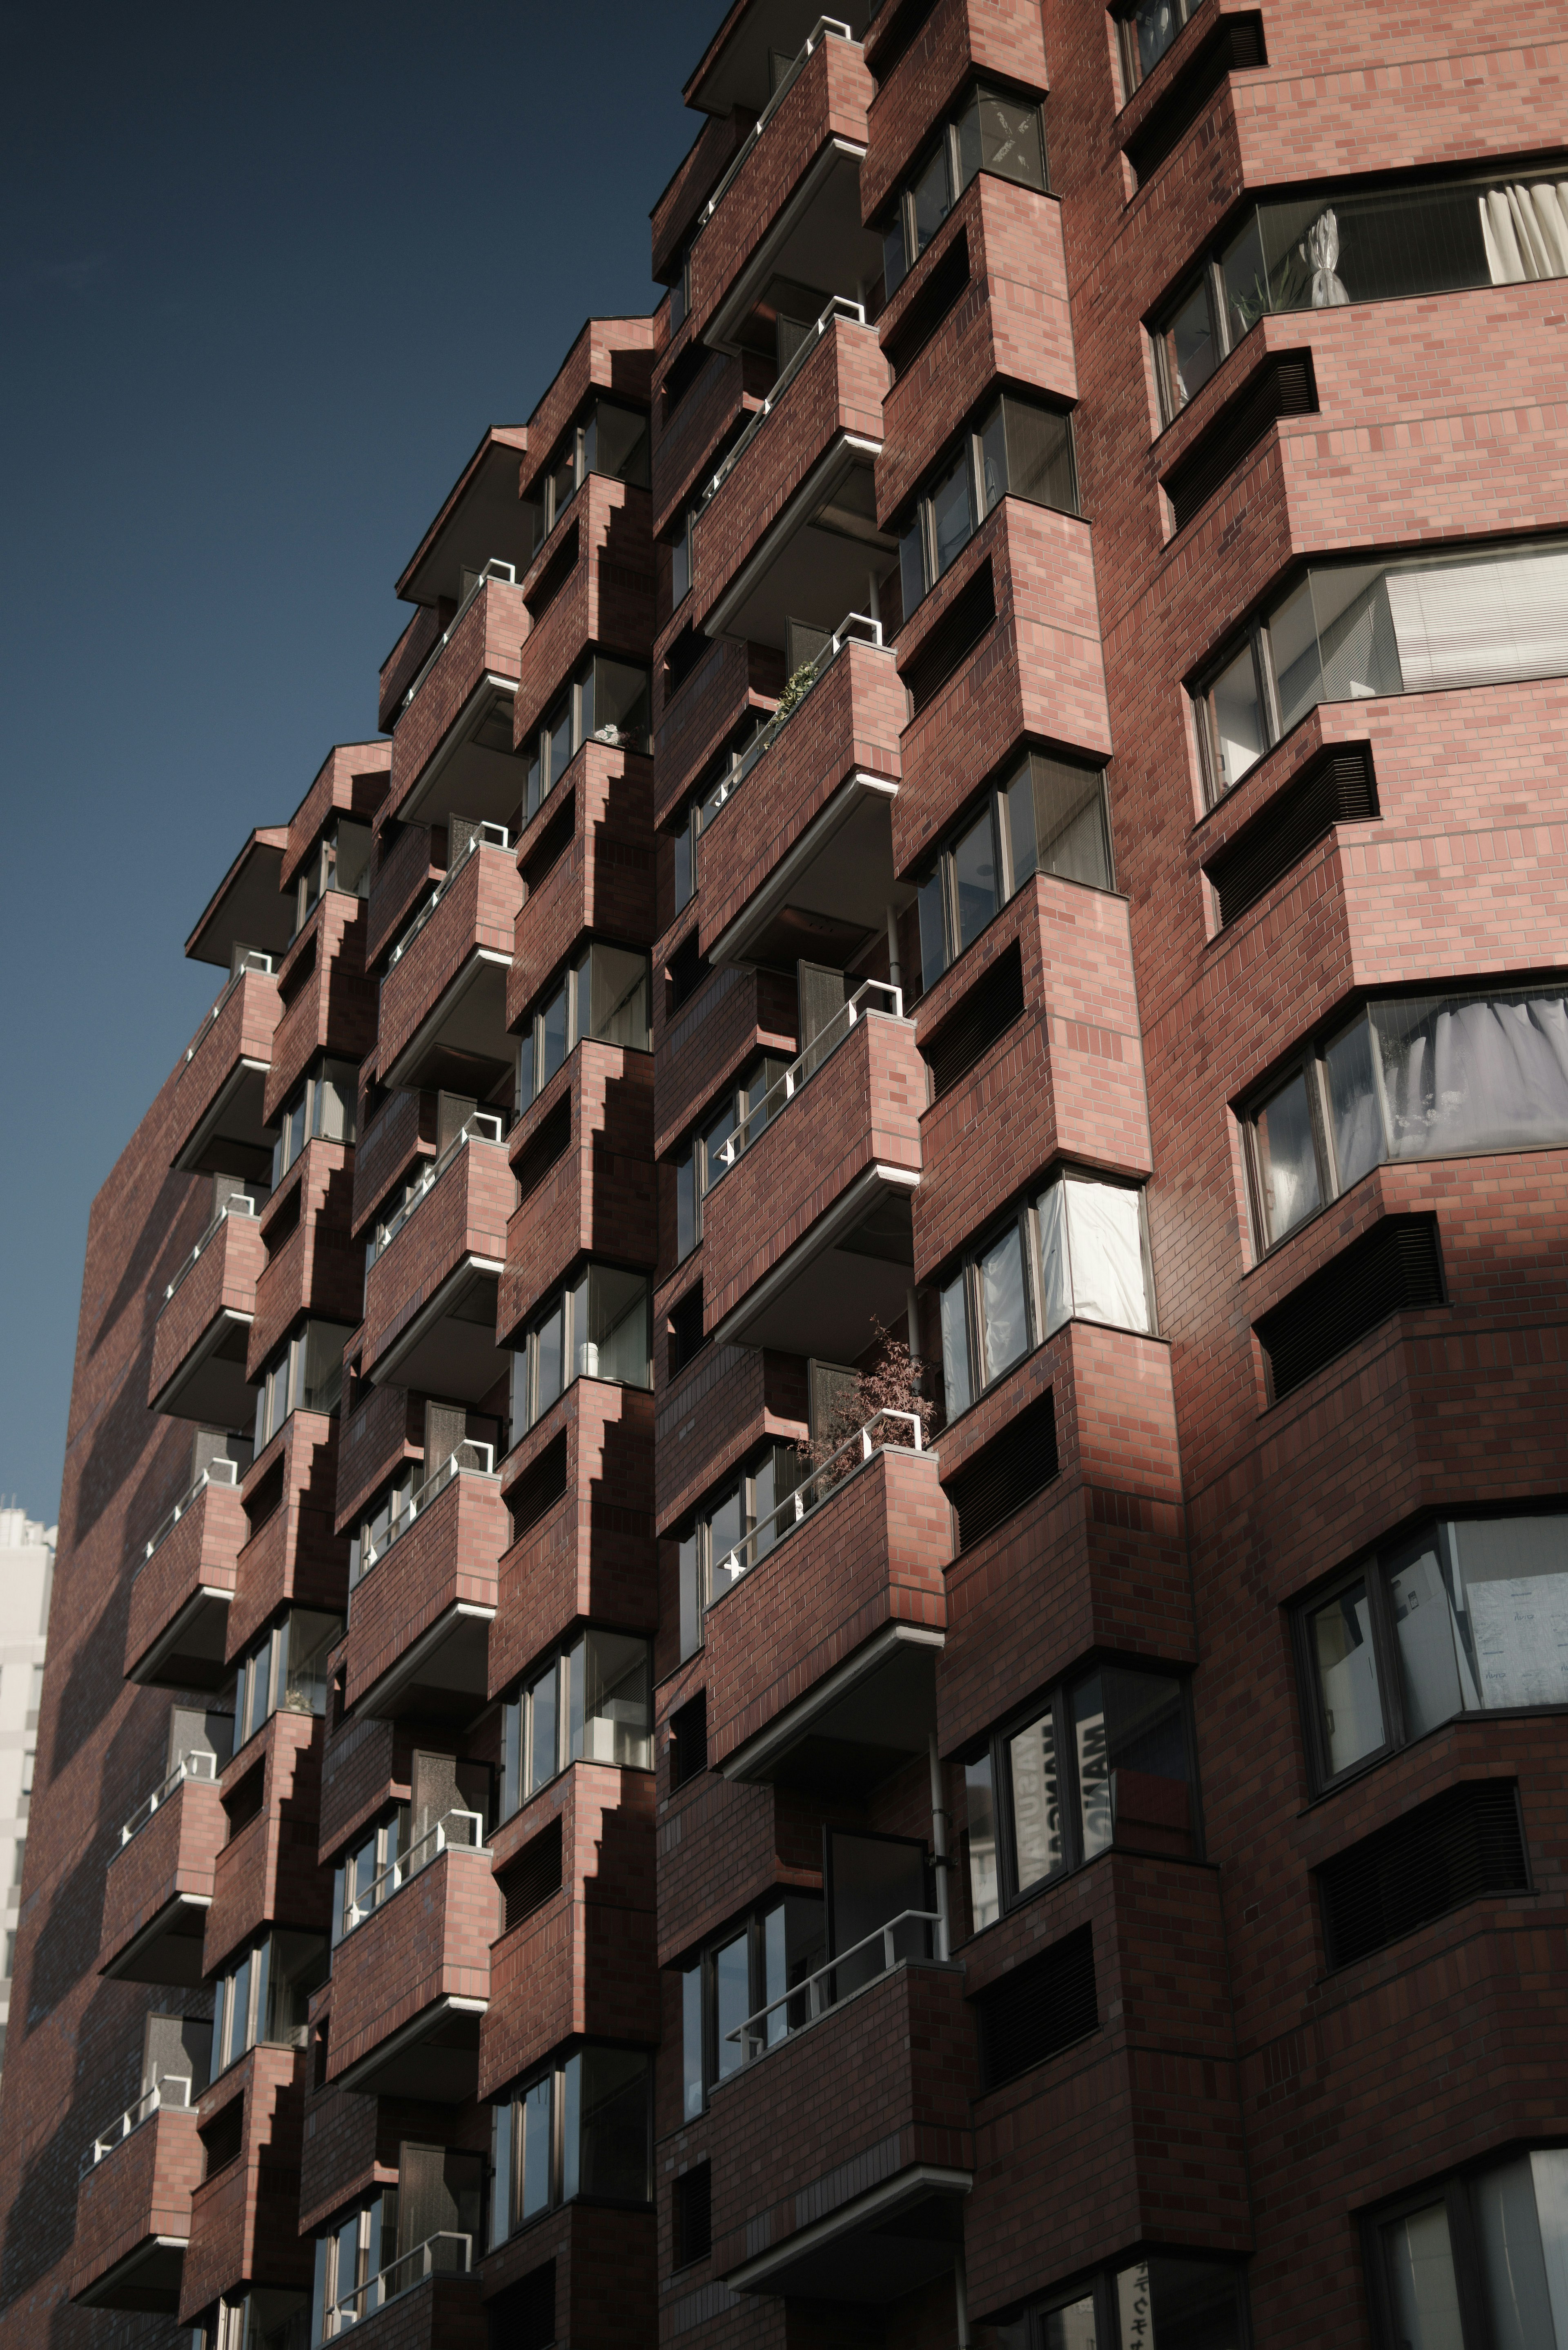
(266, 277)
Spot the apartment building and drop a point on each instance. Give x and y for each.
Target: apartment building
(813, 1560)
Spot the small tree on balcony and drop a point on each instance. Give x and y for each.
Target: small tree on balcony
(892, 1383)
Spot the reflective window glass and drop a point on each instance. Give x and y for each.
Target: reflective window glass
(1421, 2279)
(1004, 1310)
(548, 1349)
(955, 1348)
(1287, 1159)
(976, 886)
(533, 2165)
(933, 198)
(552, 1037)
(732, 2001)
(980, 1843)
(1240, 725)
(1191, 351)
(1036, 1810)
(1351, 1709)
(952, 511)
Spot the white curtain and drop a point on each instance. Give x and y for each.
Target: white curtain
(1487, 623)
(1320, 251)
(1525, 232)
(1106, 1240)
(1487, 1075)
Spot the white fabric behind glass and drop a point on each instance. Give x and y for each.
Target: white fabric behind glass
(1525, 232)
(1486, 623)
(1347, 1678)
(1055, 1271)
(1486, 1075)
(1356, 1105)
(1513, 1583)
(1004, 1315)
(1421, 2274)
(1517, 2297)
(1036, 1817)
(1107, 1237)
(1550, 2173)
(1072, 2328)
(1424, 1626)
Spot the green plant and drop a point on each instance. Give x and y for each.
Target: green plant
(796, 687)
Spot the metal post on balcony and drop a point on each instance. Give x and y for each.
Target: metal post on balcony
(960, 2299)
(940, 1849)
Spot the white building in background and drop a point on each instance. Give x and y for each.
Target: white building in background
(26, 1571)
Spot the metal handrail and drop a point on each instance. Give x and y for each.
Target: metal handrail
(146, 2106)
(810, 1990)
(818, 33)
(804, 1066)
(794, 1509)
(213, 1475)
(839, 305)
(475, 1128)
(486, 835)
(238, 1203)
(376, 2293)
(196, 1764)
(418, 1857)
(256, 959)
(856, 628)
(418, 1502)
(494, 568)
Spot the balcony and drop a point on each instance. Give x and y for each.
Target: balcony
(386, 1429)
(411, 1985)
(807, 1236)
(598, 1193)
(218, 1124)
(451, 738)
(592, 584)
(419, 1615)
(443, 1000)
(316, 1268)
(865, 2197)
(450, 2311)
(821, 1644)
(160, 1883)
(327, 1001)
(431, 1293)
(264, 1871)
(204, 1325)
(792, 486)
(812, 838)
(584, 1960)
(585, 871)
(293, 1554)
(960, 40)
(133, 2205)
(729, 681)
(184, 1585)
(806, 147)
(245, 2216)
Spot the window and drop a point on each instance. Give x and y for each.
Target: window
(1106, 1759)
(1200, 2304)
(993, 132)
(597, 1330)
(1021, 450)
(1435, 1076)
(582, 2127)
(1144, 33)
(1078, 1250)
(702, 1162)
(754, 1962)
(1479, 2262)
(607, 702)
(709, 1566)
(681, 560)
(610, 440)
(1356, 631)
(1048, 816)
(681, 295)
(381, 1525)
(305, 1376)
(1469, 1615)
(350, 2260)
(341, 861)
(264, 1995)
(324, 1110)
(1356, 244)
(591, 1702)
(605, 994)
(365, 1877)
(285, 1671)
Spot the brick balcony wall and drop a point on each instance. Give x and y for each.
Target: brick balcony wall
(447, 1556)
(477, 912)
(266, 1873)
(244, 2218)
(174, 1854)
(222, 1280)
(960, 41)
(404, 663)
(602, 882)
(351, 781)
(611, 355)
(702, 1048)
(402, 1132)
(692, 726)
(332, 1008)
(384, 1430)
(406, 860)
(202, 1551)
(242, 1030)
(600, 1194)
(294, 1555)
(142, 2189)
(464, 1214)
(318, 1269)
(431, 1941)
(608, 600)
(486, 641)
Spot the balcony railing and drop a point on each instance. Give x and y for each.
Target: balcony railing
(469, 1460)
(820, 31)
(484, 836)
(252, 959)
(800, 1071)
(217, 1473)
(495, 569)
(444, 2254)
(856, 628)
(805, 2002)
(194, 1765)
(839, 306)
(453, 1832)
(484, 1126)
(173, 2090)
(239, 1203)
(812, 1491)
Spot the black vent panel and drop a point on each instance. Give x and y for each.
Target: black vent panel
(959, 631)
(924, 311)
(524, 2316)
(1283, 386)
(1235, 46)
(692, 2214)
(1394, 1267)
(688, 1740)
(539, 1488)
(1038, 2010)
(533, 1877)
(1464, 1843)
(976, 1020)
(1005, 1474)
(1338, 787)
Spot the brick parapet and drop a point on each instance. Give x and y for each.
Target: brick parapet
(475, 918)
(139, 2190)
(430, 1941)
(600, 882)
(201, 1552)
(240, 1028)
(606, 601)
(486, 642)
(244, 2218)
(222, 1280)
(446, 1559)
(464, 1214)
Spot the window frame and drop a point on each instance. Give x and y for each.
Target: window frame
(571, 981)
(691, 1161)
(967, 452)
(375, 2217)
(1134, 75)
(541, 776)
(517, 1717)
(562, 1300)
(388, 1841)
(695, 1572)
(281, 1390)
(752, 1924)
(578, 448)
(507, 2112)
(995, 799)
(1454, 2190)
(900, 218)
(1026, 2329)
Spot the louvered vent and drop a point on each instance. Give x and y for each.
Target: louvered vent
(1005, 1474)
(1462, 1845)
(925, 311)
(533, 1877)
(1283, 386)
(693, 2215)
(524, 2316)
(1338, 787)
(1236, 45)
(688, 1740)
(1038, 2010)
(538, 1487)
(1396, 1265)
(958, 632)
(976, 1020)
(549, 1143)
